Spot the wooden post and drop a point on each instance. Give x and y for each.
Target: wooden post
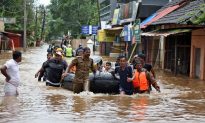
(175, 57)
(24, 29)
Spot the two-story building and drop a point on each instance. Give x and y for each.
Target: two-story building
(117, 19)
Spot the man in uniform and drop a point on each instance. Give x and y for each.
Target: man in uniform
(83, 65)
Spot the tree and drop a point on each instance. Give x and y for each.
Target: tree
(14, 9)
(71, 15)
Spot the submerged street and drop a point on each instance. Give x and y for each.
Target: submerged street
(181, 100)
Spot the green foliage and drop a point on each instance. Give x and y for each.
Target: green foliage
(201, 18)
(15, 9)
(196, 16)
(71, 15)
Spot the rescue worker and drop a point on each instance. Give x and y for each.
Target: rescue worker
(141, 80)
(69, 51)
(83, 65)
(54, 69)
(147, 66)
(80, 54)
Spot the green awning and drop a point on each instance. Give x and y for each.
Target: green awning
(165, 32)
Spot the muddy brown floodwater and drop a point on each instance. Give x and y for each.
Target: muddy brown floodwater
(181, 100)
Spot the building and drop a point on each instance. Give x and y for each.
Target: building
(180, 37)
(116, 16)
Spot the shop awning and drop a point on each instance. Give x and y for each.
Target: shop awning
(165, 32)
(10, 33)
(114, 28)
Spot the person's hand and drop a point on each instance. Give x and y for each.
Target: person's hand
(64, 75)
(36, 75)
(8, 78)
(129, 79)
(158, 89)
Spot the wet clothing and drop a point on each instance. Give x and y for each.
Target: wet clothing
(79, 87)
(125, 86)
(83, 66)
(42, 73)
(10, 89)
(13, 71)
(143, 80)
(54, 70)
(140, 81)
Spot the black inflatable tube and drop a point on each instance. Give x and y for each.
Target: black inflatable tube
(101, 83)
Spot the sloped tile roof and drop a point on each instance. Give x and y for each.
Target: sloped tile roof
(181, 15)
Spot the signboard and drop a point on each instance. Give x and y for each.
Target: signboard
(94, 30)
(8, 20)
(89, 29)
(128, 12)
(137, 31)
(85, 29)
(127, 33)
(115, 18)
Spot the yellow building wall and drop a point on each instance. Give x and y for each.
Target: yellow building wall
(104, 36)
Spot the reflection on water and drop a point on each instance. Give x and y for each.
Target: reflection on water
(181, 100)
(9, 107)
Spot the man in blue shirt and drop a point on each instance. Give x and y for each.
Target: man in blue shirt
(124, 72)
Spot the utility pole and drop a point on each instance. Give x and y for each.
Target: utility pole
(36, 24)
(98, 6)
(24, 28)
(43, 23)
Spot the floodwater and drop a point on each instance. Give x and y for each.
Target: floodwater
(181, 100)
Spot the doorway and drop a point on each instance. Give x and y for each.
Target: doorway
(197, 62)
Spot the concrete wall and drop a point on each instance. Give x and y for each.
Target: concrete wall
(75, 43)
(198, 41)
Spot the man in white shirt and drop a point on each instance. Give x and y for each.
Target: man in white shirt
(11, 71)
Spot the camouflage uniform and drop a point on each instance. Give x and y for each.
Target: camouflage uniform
(82, 73)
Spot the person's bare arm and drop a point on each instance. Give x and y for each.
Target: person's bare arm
(37, 73)
(153, 81)
(131, 79)
(93, 69)
(73, 63)
(3, 71)
(153, 72)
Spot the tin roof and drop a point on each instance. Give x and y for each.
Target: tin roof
(184, 14)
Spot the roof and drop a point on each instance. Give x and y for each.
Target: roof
(161, 14)
(174, 2)
(183, 14)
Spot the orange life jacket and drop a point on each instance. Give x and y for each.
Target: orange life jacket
(140, 81)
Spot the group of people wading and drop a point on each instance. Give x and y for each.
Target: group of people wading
(136, 79)
(131, 81)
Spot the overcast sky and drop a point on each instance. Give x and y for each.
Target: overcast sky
(44, 2)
